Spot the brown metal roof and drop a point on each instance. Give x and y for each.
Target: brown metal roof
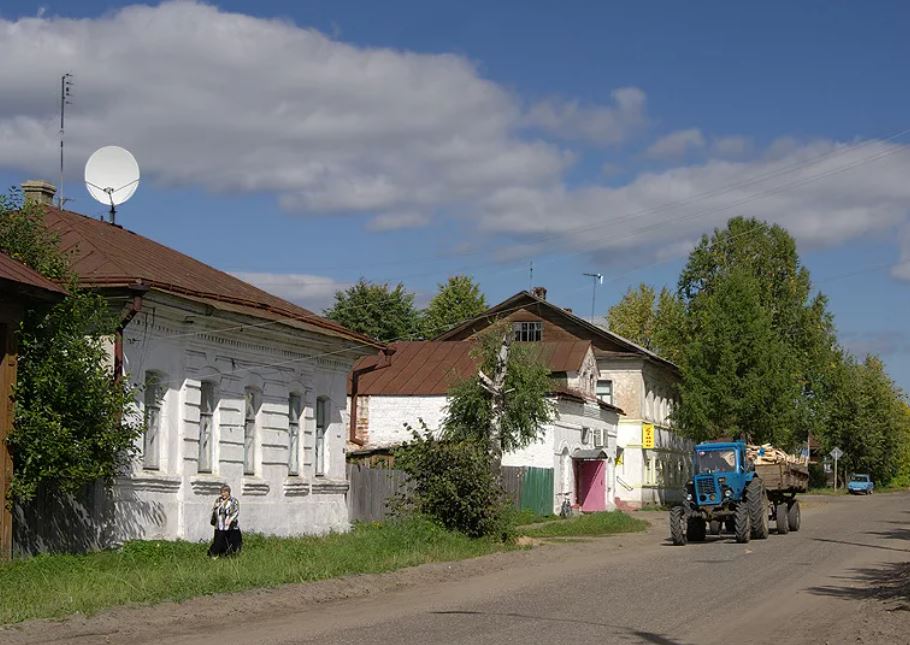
(428, 368)
(108, 256)
(13, 271)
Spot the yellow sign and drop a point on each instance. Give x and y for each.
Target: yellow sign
(647, 436)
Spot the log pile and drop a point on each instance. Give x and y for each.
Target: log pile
(768, 454)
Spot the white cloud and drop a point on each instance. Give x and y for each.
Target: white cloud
(396, 221)
(824, 193)
(676, 144)
(598, 124)
(236, 103)
(314, 292)
(901, 270)
(881, 343)
(733, 147)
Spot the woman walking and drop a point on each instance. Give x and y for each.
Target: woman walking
(225, 516)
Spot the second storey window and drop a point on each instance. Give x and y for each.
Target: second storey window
(251, 406)
(152, 399)
(294, 409)
(322, 418)
(605, 391)
(528, 331)
(206, 427)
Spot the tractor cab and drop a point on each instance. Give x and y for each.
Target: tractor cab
(721, 473)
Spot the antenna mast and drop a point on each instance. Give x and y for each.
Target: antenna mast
(598, 278)
(66, 82)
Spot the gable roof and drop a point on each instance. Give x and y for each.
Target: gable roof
(431, 368)
(19, 276)
(106, 255)
(524, 299)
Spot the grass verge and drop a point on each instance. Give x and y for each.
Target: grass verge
(605, 523)
(51, 586)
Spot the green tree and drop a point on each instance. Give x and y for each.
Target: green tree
(868, 420)
(72, 420)
(376, 310)
(452, 483)
(457, 300)
(804, 347)
(633, 317)
(469, 416)
(656, 322)
(737, 376)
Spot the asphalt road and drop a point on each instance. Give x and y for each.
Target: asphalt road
(824, 584)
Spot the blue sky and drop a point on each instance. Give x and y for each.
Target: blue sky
(303, 145)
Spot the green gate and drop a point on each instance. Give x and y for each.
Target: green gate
(537, 490)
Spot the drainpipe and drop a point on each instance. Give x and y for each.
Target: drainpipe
(129, 311)
(385, 356)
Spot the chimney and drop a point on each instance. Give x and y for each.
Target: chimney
(39, 191)
(568, 310)
(539, 292)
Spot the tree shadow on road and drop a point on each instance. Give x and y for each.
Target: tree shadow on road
(647, 637)
(891, 582)
(864, 544)
(892, 534)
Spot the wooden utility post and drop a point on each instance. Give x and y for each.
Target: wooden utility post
(496, 387)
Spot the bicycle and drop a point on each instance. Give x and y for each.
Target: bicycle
(565, 509)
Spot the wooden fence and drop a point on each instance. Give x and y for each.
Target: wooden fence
(372, 489)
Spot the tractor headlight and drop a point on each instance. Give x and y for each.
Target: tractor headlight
(728, 492)
(688, 497)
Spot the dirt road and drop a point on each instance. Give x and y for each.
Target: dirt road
(842, 579)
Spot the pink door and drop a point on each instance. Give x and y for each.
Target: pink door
(592, 485)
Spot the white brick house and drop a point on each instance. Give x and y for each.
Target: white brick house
(412, 383)
(237, 386)
(633, 378)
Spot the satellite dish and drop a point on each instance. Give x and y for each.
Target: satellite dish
(111, 176)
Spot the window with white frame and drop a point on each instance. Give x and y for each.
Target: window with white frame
(294, 412)
(153, 398)
(528, 331)
(605, 390)
(322, 423)
(206, 427)
(251, 408)
(585, 436)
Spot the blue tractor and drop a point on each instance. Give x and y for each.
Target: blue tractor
(730, 492)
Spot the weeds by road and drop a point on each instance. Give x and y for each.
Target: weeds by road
(587, 525)
(152, 571)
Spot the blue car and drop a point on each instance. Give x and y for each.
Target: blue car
(860, 485)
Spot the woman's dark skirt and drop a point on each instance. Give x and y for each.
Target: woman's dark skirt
(226, 543)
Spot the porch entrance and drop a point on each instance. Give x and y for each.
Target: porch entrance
(591, 483)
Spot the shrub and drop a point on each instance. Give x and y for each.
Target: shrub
(451, 482)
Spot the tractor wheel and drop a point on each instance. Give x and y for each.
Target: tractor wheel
(757, 502)
(782, 518)
(742, 527)
(714, 527)
(793, 515)
(695, 531)
(678, 525)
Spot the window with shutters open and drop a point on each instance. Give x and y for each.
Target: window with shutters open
(153, 399)
(322, 418)
(251, 408)
(206, 427)
(294, 413)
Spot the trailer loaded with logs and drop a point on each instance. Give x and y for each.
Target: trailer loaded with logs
(739, 489)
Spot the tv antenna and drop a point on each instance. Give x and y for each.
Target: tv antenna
(598, 278)
(66, 83)
(111, 177)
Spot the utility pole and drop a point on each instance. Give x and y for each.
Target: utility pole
(66, 82)
(496, 387)
(598, 279)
